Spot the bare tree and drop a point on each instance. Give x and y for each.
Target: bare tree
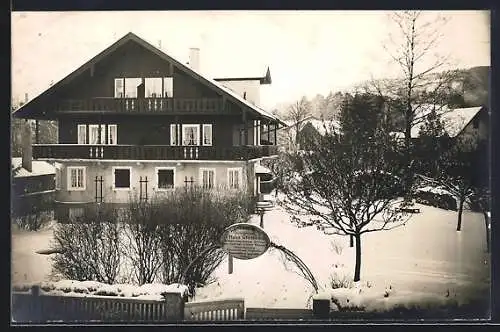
(347, 186)
(297, 112)
(424, 76)
(142, 241)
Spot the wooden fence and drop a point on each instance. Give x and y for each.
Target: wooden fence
(221, 310)
(29, 308)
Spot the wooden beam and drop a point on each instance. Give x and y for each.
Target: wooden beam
(171, 69)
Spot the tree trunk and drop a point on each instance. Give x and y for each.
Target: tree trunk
(460, 210)
(357, 268)
(351, 241)
(486, 224)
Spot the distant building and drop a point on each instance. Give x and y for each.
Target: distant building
(33, 181)
(309, 128)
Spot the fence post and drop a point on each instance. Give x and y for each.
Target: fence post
(36, 305)
(321, 307)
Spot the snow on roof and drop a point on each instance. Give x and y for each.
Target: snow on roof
(259, 169)
(322, 126)
(38, 168)
(454, 120)
(246, 70)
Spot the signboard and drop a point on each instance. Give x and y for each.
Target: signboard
(245, 241)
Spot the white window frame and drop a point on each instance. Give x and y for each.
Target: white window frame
(115, 141)
(197, 126)
(123, 87)
(207, 125)
(164, 87)
(173, 135)
(202, 169)
(233, 169)
(69, 169)
(113, 177)
(151, 79)
(102, 128)
(161, 168)
(81, 128)
(134, 93)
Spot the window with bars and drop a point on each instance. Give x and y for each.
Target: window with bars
(76, 178)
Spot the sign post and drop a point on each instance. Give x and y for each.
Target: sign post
(261, 208)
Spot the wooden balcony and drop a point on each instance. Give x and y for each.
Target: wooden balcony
(141, 105)
(151, 152)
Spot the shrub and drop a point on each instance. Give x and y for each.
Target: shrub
(436, 197)
(89, 248)
(341, 281)
(32, 212)
(194, 220)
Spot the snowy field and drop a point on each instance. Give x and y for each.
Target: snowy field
(424, 260)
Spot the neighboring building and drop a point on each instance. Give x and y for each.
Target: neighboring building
(309, 128)
(32, 182)
(135, 121)
(460, 124)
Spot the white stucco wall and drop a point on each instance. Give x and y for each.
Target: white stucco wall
(252, 89)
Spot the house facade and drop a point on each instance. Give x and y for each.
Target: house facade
(135, 122)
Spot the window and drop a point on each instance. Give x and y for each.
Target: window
(74, 213)
(190, 134)
(234, 178)
(119, 88)
(76, 178)
(153, 87)
(168, 87)
(207, 134)
(82, 134)
(173, 135)
(165, 177)
(207, 178)
(131, 85)
(112, 134)
(121, 177)
(94, 134)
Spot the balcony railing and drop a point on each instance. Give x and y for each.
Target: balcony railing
(151, 152)
(142, 105)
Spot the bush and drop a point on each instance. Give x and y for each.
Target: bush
(90, 248)
(32, 212)
(194, 220)
(436, 197)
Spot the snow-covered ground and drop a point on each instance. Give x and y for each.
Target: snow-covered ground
(426, 259)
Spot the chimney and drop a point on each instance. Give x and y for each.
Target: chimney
(26, 147)
(194, 59)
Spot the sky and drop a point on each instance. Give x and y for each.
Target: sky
(308, 52)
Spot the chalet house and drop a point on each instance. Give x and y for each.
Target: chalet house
(133, 121)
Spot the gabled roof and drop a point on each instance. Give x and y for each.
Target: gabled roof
(318, 124)
(454, 120)
(23, 111)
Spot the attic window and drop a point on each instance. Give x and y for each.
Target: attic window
(153, 87)
(168, 87)
(127, 87)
